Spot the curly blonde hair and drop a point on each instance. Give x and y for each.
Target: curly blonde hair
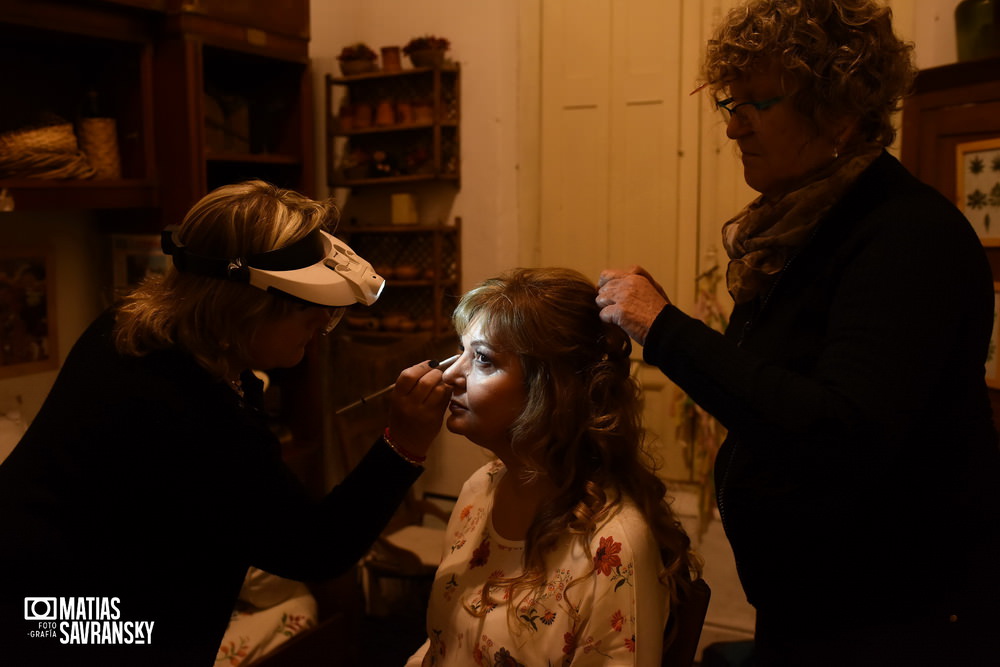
(839, 58)
(581, 425)
(214, 320)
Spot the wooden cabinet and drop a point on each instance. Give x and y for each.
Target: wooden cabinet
(234, 100)
(53, 54)
(203, 93)
(952, 105)
(423, 272)
(394, 127)
(277, 20)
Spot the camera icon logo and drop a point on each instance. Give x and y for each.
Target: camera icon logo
(40, 609)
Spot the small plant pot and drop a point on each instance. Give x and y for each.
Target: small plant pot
(385, 114)
(404, 113)
(353, 67)
(363, 116)
(427, 58)
(423, 113)
(345, 121)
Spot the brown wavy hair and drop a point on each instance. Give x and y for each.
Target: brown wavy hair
(581, 425)
(839, 58)
(214, 320)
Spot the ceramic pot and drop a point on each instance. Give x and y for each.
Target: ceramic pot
(353, 67)
(427, 58)
(423, 113)
(404, 113)
(390, 59)
(385, 114)
(362, 115)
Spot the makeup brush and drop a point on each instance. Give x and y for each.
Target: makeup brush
(440, 365)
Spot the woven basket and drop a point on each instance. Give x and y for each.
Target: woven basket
(43, 152)
(99, 141)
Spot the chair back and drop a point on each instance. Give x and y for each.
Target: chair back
(680, 638)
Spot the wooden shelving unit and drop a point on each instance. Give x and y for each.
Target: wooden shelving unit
(423, 272)
(236, 99)
(411, 117)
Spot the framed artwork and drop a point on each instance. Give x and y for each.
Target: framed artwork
(978, 187)
(993, 357)
(28, 342)
(133, 258)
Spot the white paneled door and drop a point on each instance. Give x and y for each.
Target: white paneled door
(634, 169)
(630, 161)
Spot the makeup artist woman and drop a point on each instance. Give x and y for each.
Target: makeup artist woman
(149, 474)
(859, 481)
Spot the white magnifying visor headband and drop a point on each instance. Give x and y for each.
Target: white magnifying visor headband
(319, 269)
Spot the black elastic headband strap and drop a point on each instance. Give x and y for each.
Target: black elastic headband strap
(304, 252)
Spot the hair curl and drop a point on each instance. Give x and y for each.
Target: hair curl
(214, 320)
(840, 57)
(581, 425)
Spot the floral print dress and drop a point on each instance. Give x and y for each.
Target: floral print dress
(621, 604)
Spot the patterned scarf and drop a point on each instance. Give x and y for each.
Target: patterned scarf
(767, 233)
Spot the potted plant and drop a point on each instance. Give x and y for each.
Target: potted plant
(356, 58)
(427, 50)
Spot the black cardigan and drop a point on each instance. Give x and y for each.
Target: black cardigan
(147, 480)
(860, 479)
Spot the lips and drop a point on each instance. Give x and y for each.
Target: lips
(455, 406)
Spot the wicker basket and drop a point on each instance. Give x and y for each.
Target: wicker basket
(43, 152)
(99, 141)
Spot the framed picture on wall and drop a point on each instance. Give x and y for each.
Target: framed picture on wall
(993, 357)
(28, 342)
(978, 187)
(133, 258)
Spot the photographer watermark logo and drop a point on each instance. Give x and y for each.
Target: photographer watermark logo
(84, 620)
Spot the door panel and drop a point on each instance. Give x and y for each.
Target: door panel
(636, 170)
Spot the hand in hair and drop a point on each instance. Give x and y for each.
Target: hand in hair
(631, 299)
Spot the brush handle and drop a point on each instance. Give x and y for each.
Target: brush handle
(440, 365)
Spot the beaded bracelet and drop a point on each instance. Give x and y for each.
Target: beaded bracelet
(412, 459)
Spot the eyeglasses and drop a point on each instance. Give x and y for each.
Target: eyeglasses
(336, 313)
(747, 112)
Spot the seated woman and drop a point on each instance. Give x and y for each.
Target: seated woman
(562, 550)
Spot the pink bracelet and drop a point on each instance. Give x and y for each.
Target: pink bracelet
(412, 459)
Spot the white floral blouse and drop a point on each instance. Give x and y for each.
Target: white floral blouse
(622, 608)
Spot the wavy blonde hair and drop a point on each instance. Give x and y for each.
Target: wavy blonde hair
(839, 58)
(581, 425)
(214, 320)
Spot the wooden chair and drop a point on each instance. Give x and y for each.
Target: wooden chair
(405, 557)
(680, 638)
(399, 569)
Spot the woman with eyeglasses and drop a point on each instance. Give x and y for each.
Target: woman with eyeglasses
(150, 480)
(859, 484)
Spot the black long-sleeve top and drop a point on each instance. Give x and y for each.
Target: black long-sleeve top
(860, 479)
(145, 479)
